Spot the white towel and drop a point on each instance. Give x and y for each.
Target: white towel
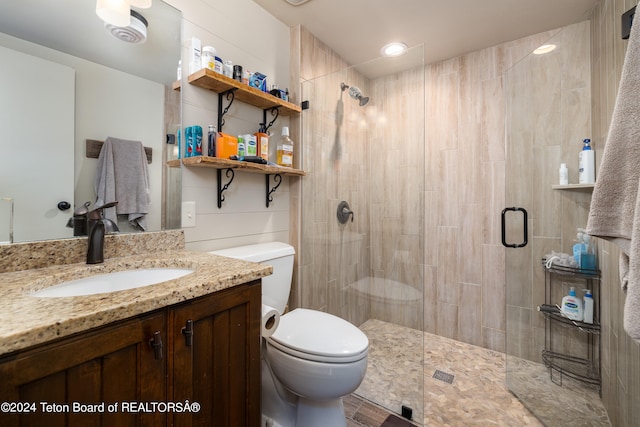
(615, 205)
(122, 176)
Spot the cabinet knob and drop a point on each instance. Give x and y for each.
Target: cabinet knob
(156, 345)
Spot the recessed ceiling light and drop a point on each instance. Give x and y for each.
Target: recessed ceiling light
(394, 49)
(545, 48)
(296, 2)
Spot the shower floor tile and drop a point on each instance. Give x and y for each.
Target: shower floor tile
(477, 394)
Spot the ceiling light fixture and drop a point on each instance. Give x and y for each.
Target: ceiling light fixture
(141, 4)
(545, 48)
(114, 12)
(394, 49)
(296, 2)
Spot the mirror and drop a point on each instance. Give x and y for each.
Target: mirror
(81, 83)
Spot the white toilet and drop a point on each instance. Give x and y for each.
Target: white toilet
(312, 359)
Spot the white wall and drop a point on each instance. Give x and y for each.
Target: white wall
(243, 32)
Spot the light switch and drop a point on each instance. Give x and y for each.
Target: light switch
(188, 214)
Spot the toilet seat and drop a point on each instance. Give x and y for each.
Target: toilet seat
(321, 337)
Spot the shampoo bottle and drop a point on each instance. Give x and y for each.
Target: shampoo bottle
(587, 171)
(571, 306)
(588, 306)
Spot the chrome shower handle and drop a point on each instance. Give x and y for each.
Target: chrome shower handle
(344, 212)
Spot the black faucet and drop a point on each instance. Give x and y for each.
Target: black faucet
(97, 227)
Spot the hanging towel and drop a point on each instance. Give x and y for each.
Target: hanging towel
(122, 176)
(615, 206)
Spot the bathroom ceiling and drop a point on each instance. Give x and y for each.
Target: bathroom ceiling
(357, 29)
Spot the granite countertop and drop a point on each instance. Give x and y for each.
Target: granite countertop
(26, 320)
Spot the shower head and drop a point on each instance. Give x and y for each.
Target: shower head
(355, 93)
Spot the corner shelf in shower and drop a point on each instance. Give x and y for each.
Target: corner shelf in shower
(581, 363)
(578, 187)
(231, 165)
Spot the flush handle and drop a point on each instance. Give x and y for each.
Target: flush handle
(187, 331)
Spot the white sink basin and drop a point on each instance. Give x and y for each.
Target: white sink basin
(112, 282)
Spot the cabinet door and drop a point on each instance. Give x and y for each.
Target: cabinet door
(114, 364)
(216, 357)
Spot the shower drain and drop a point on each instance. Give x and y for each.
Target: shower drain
(443, 376)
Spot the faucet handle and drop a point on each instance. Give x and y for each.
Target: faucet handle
(97, 211)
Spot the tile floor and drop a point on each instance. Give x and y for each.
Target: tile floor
(477, 396)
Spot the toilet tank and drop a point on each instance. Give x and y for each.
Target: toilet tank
(276, 287)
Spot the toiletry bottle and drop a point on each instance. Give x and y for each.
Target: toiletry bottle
(211, 141)
(580, 247)
(263, 144)
(179, 142)
(250, 145)
(285, 149)
(587, 171)
(588, 306)
(197, 137)
(241, 147)
(188, 141)
(571, 306)
(564, 174)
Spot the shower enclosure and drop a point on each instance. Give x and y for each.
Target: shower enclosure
(547, 116)
(363, 260)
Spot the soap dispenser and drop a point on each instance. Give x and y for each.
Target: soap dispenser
(571, 306)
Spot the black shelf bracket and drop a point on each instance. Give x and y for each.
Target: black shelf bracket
(275, 112)
(277, 178)
(222, 188)
(231, 96)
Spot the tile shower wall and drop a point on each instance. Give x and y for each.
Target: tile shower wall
(371, 157)
(620, 354)
(461, 197)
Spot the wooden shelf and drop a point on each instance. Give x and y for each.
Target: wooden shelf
(176, 85)
(580, 187)
(220, 163)
(219, 83)
(173, 163)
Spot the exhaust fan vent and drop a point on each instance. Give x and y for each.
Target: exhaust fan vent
(136, 32)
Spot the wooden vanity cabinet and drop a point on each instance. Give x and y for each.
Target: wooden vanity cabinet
(110, 364)
(216, 358)
(218, 366)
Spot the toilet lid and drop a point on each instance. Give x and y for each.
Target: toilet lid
(316, 333)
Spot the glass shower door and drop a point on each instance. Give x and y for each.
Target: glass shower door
(363, 150)
(547, 116)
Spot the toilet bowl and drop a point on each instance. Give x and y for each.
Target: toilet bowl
(313, 358)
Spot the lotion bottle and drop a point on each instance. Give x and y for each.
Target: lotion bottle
(587, 171)
(588, 306)
(571, 306)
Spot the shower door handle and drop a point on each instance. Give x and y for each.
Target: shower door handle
(524, 227)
